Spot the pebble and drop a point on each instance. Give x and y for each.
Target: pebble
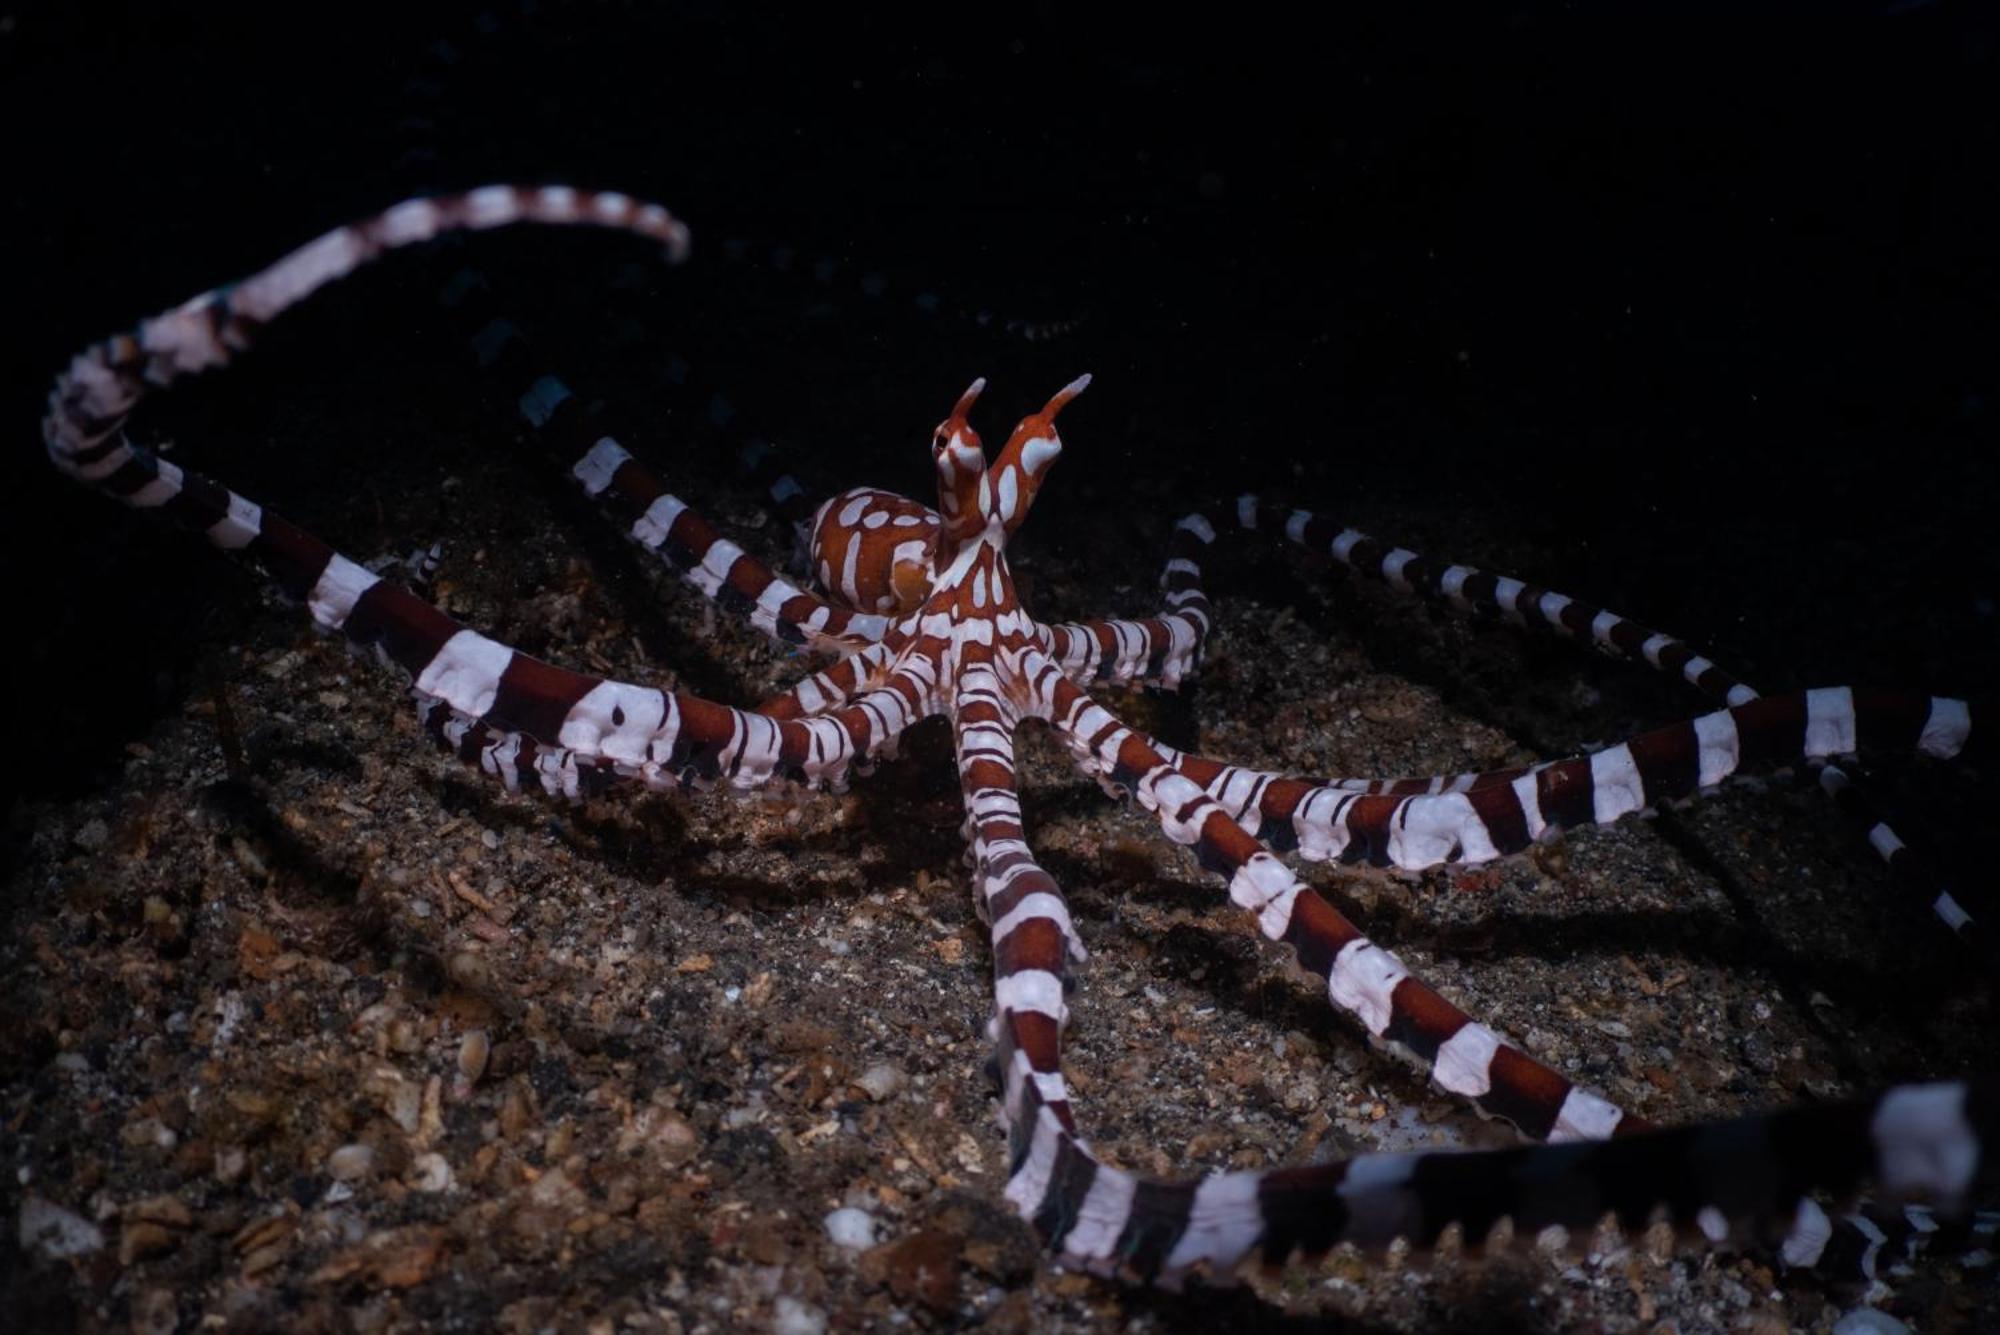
(350, 1163)
(1869, 1321)
(431, 1172)
(851, 1228)
(472, 1054)
(792, 1317)
(55, 1232)
(881, 1080)
(140, 1240)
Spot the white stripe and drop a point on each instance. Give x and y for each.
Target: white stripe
(1602, 625)
(1223, 1223)
(1953, 913)
(1429, 827)
(1198, 526)
(1295, 526)
(160, 490)
(1026, 1188)
(1695, 666)
(764, 615)
(1246, 511)
(1393, 564)
(1265, 887)
(1615, 787)
(1868, 1229)
(1924, 1143)
(410, 222)
(1739, 694)
(557, 203)
(539, 404)
(336, 591)
(1361, 981)
(1830, 721)
(1102, 1215)
(715, 565)
(1464, 1062)
(1552, 605)
(594, 469)
(1040, 904)
(1585, 1116)
(1945, 728)
(239, 527)
(1505, 591)
(466, 672)
(588, 728)
(1811, 1231)
(1344, 543)
(1529, 795)
(1369, 1173)
(297, 276)
(1035, 990)
(1453, 582)
(1716, 746)
(1884, 841)
(1049, 1084)
(491, 206)
(1650, 650)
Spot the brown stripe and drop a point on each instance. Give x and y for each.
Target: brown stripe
(1525, 1092)
(1566, 793)
(534, 697)
(1499, 810)
(1889, 721)
(295, 558)
(1481, 589)
(1317, 931)
(1669, 762)
(1421, 1020)
(199, 503)
(1770, 732)
(405, 627)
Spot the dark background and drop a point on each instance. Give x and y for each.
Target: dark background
(1695, 306)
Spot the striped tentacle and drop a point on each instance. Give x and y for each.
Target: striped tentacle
(1748, 1181)
(1880, 1243)
(509, 756)
(1399, 1011)
(1162, 650)
(98, 390)
(1033, 938)
(658, 736)
(1467, 589)
(835, 685)
(716, 566)
(663, 738)
(1471, 818)
(1912, 868)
